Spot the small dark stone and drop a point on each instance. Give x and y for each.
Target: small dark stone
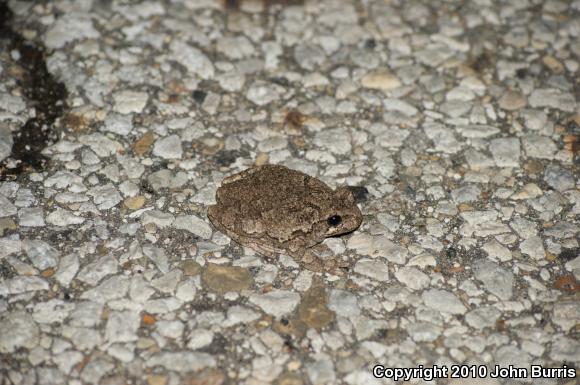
(284, 321)
(382, 333)
(542, 321)
(522, 73)
(573, 126)
(481, 61)
(219, 345)
(360, 193)
(6, 271)
(288, 342)
(451, 253)
(227, 157)
(370, 44)
(146, 187)
(199, 96)
(569, 254)
(280, 81)
(232, 4)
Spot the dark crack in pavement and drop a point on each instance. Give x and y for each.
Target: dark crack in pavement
(43, 92)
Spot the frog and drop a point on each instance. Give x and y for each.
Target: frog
(275, 210)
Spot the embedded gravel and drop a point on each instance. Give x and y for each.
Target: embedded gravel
(459, 123)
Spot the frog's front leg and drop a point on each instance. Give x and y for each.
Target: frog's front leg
(319, 259)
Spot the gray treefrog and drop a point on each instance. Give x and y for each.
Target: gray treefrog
(273, 209)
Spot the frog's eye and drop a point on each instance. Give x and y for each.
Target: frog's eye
(334, 220)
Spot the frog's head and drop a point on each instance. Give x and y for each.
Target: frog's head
(343, 215)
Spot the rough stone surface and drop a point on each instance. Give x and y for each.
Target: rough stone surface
(443, 301)
(374, 269)
(495, 279)
(276, 303)
(168, 148)
(130, 101)
(68, 28)
(6, 142)
(454, 123)
(505, 152)
(18, 330)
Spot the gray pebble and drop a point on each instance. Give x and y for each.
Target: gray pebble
(495, 279)
(559, 178)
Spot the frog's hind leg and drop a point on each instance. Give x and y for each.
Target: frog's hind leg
(311, 261)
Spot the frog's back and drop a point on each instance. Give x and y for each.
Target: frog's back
(264, 188)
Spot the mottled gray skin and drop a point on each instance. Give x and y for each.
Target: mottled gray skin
(273, 209)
